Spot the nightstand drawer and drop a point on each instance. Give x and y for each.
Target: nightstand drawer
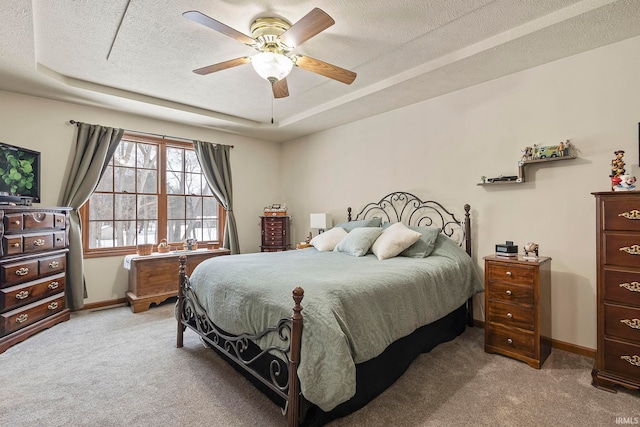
(621, 215)
(511, 339)
(621, 249)
(622, 358)
(511, 315)
(622, 322)
(505, 292)
(510, 273)
(622, 286)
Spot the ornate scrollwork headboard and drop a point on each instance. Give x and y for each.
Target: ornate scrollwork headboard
(407, 208)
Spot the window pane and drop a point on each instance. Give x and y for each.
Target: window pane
(175, 207)
(175, 182)
(125, 206)
(100, 234)
(206, 190)
(210, 229)
(125, 154)
(194, 229)
(147, 207)
(194, 207)
(175, 230)
(193, 184)
(175, 159)
(147, 232)
(210, 207)
(191, 163)
(147, 156)
(147, 181)
(106, 182)
(125, 233)
(101, 206)
(125, 180)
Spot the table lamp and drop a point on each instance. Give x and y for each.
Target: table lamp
(321, 221)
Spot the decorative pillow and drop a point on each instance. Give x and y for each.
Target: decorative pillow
(373, 222)
(358, 241)
(423, 247)
(395, 239)
(328, 240)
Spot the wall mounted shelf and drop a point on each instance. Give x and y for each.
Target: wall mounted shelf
(521, 169)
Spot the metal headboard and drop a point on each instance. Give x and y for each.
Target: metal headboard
(407, 208)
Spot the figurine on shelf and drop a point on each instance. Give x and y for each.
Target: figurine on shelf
(561, 149)
(528, 154)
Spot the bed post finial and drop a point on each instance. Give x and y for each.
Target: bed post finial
(293, 415)
(182, 277)
(349, 214)
(467, 228)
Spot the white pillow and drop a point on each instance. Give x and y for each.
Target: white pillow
(329, 239)
(395, 239)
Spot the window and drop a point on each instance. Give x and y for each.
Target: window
(152, 189)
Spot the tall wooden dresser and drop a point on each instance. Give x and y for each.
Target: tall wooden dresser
(33, 261)
(275, 233)
(618, 279)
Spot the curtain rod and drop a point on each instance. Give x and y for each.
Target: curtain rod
(74, 122)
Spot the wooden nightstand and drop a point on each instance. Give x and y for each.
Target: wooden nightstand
(518, 302)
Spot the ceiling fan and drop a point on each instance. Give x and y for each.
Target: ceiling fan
(274, 39)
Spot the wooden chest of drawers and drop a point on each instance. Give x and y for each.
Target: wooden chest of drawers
(618, 279)
(518, 304)
(33, 262)
(275, 233)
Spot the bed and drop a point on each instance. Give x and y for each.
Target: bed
(363, 319)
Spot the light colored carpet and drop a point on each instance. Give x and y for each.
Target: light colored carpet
(115, 368)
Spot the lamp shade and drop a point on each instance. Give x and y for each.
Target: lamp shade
(271, 65)
(321, 221)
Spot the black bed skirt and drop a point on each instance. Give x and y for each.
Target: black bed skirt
(375, 375)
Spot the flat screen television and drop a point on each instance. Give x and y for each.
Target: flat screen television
(19, 172)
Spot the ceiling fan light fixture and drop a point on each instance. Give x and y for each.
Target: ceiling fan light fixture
(271, 65)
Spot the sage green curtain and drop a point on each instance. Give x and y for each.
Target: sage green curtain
(95, 146)
(216, 168)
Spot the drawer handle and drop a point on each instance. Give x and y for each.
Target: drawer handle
(631, 250)
(633, 286)
(22, 271)
(509, 341)
(22, 318)
(508, 292)
(634, 360)
(54, 264)
(22, 295)
(58, 219)
(38, 242)
(16, 245)
(632, 323)
(16, 222)
(508, 273)
(632, 214)
(509, 315)
(58, 239)
(53, 305)
(53, 285)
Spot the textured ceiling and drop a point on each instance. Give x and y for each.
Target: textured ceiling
(138, 56)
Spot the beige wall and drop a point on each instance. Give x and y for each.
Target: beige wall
(440, 148)
(42, 125)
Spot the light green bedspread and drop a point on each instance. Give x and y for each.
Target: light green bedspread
(353, 307)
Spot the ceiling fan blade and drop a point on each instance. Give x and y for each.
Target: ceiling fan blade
(222, 65)
(280, 89)
(203, 19)
(308, 26)
(324, 69)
